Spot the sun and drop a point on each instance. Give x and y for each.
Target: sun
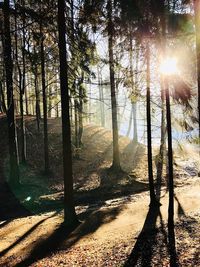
(168, 66)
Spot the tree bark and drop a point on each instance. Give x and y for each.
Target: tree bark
(44, 97)
(116, 159)
(69, 209)
(197, 27)
(149, 143)
(14, 168)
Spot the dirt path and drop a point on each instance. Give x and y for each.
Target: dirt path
(116, 224)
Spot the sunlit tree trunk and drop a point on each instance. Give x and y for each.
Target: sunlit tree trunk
(14, 168)
(134, 104)
(69, 209)
(116, 159)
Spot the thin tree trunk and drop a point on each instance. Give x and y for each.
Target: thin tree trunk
(80, 111)
(50, 102)
(44, 97)
(14, 168)
(149, 144)
(130, 122)
(116, 159)
(21, 88)
(2, 99)
(37, 98)
(197, 27)
(170, 159)
(76, 122)
(69, 209)
(134, 106)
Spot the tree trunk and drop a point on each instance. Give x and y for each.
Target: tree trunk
(21, 87)
(130, 122)
(44, 97)
(134, 105)
(37, 98)
(14, 168)
(2, 99)
(80, 111)
(69, 209)
(149, 144)
(170, 160)
(197, 27)
(116, 159)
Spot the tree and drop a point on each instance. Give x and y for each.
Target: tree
(149, 143)
(14, 168)
(69, 209)
(197, 28)
(44, 97)
(110, 27)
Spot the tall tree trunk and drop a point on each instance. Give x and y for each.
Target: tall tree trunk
(37, 98)
(50, 102)
(130, 122)
(197, 27)
(80, 110)
(160, 161)
(44, 97)
(149, 144)
(102, 115)
(69, 209)
(76, 122)
(2, 98)
(21, 74)
(134, 105)
(14, 168)
(116, 159)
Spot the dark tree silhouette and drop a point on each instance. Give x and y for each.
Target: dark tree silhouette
(116, 159)
(149, 143)
(14, 168)
(44, 97)
(69, 209)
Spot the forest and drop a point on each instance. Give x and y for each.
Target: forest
(99, 133)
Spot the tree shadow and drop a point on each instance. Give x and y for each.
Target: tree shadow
(153, 240)
(64, 237)
(25, 235)
(141, 254)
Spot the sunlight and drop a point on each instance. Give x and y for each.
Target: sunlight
(169, 66)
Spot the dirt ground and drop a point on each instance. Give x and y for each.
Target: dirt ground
(117, 227)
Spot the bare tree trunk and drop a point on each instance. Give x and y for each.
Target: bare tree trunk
(134, 105)
(116, 159)
(21, 74)
(130, 122)
(69, 208)
(149, 144)
(80, 111)
(197, 27)
(37, 98)
(14, 168)
(44, 97)
(2, 99)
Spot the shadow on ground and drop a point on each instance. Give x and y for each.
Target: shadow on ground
(62, 237)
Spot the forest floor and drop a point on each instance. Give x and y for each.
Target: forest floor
(117, 228)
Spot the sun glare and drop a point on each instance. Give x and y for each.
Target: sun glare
(169, 66)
